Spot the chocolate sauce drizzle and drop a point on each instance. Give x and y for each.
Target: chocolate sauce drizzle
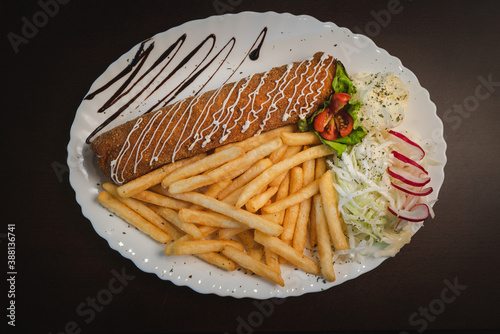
(142, 55)
(254, 55)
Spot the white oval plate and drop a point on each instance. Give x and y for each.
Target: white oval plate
(289, 38)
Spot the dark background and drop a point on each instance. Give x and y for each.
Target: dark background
(61, 261)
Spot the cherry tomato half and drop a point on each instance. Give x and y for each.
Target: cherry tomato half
(344, 123)
(338, 101)
(322, 119)
(330, 132)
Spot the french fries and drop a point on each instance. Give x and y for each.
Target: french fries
(295, 198)
(319, 170)
(155, 177)
(257, 202)
(245, 217)
(143, 210)
(255, 266)
(251, 205)
(189, 228)
(234, 166)
(324, 244)
(203, 246)
(300, 235)
(291, 214)
(256, 141)
(269, 174)
(288, 252)
(208, 218)
(300, 138)
(202, 165)
(160, 200)
(133, 218)
(246, 177)
(330, 209)
(290, 151)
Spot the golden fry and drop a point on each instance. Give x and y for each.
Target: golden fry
(277, 155)
(130, 216)
(189, 228)
(200, 166)
(300, 235)
(300, 138)
(246, 177)
(283, 191)
(143, 210)
(324, 245)
(224, 171)
(331, 212)
(256, 141)
(287, 252)
(146, 181)
(291, 213)
(208, 218)
(218, 260)
(203, 246)
(272, 259)
(269, 174)
(228, 233)
(215, 189)
(258, 201)
(319, 170)
(248, 262)
(245, 217)
(291, 151)
(160, 200)
(296, 198)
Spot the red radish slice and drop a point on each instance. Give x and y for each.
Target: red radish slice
(419, 151)
(414, 192)
(418, 213)
(406, 160)
(410, 202)
(408, 178)
(398, 225)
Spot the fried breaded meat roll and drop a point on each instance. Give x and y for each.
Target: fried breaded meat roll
(234, 112)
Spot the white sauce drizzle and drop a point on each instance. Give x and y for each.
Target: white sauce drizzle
(115, 164)
(224, 118)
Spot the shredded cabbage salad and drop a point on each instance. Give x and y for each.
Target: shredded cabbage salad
(364, 194)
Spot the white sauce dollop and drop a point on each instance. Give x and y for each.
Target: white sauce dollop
(384, 98)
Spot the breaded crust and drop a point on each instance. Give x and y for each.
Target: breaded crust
(234, 112)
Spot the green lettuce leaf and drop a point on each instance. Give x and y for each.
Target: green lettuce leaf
(341, 84)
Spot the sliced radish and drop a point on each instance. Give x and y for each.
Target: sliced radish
(410, 202)
(398, 225)
(406, 160)
(418, 213)
(414, 192)
(417, 151)
(408, 178)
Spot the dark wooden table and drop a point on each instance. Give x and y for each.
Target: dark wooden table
(62, 264)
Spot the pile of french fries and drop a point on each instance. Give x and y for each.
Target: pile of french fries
(250, 204)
